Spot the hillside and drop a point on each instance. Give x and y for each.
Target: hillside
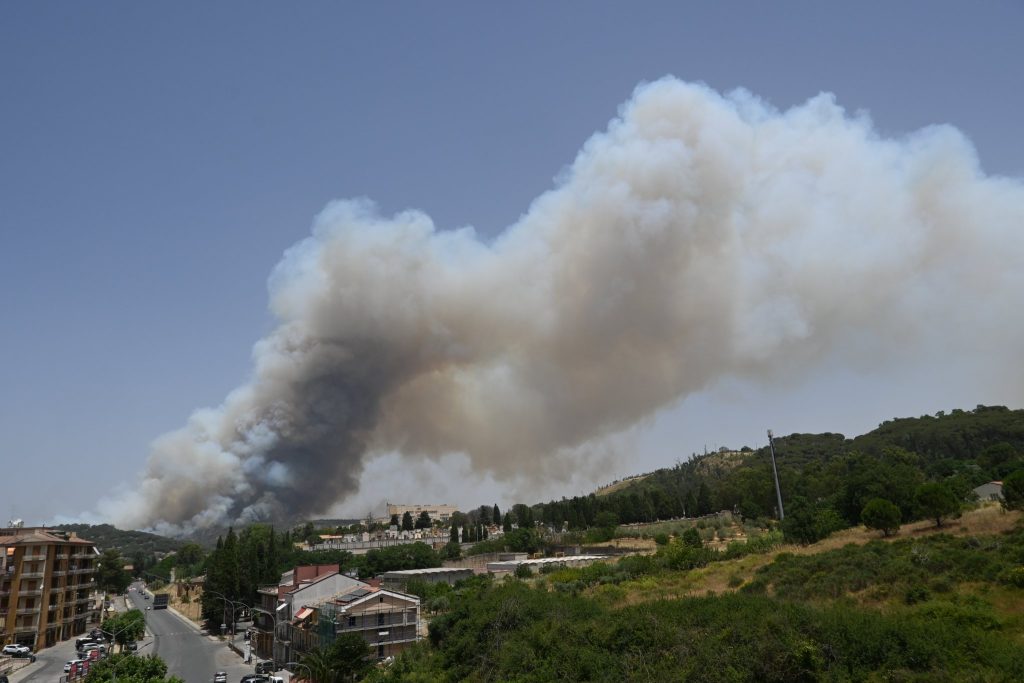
(929, 604)
(962, 449)
(128, 543)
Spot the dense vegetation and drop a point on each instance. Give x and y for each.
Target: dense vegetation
(130, 667)
(834, 476)
(510, 631)
(935, 607)
(126, 543)
(904, 569)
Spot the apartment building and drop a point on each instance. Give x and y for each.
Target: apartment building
(388, 620)
(47, 579)
(278, 605)
(438, 513)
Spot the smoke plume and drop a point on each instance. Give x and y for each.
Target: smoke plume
(701, 237)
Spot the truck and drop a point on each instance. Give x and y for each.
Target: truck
(160, 600)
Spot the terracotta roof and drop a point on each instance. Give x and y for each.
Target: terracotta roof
(29, 536)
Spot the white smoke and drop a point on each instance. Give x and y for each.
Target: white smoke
(700, 238)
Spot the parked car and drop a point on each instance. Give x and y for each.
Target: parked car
(266, 667)
(25, 655)
(133, 646)
(15, 650)
(67, 667)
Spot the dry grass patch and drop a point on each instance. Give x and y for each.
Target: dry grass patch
(721, 577)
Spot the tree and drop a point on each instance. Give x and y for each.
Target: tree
(128, 667)
(351, 655)
(423, 521)
(321, 669)
(808, 522)
(407, 521)
(111, 576)
(395, 522)
(703, 499)
(496, 515)
(453, 536)
(1013, 491)
(936, 501)
(523, 515)
(126, 627)
(690, 505)
(881, 515)
(506, 524)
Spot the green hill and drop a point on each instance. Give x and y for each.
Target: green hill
(963, 449)
(128, 543)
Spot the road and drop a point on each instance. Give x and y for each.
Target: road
(190, 654)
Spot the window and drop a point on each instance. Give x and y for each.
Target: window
(380, 618)
(380, 651)
(351, 621)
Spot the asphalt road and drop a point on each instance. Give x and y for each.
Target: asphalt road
(190, 654)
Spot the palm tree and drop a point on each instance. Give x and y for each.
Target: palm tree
(321, 666)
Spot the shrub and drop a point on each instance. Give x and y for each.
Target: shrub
(692, 538)
(1013, 577)
(523, 571)
(661, 539)
(915, 595)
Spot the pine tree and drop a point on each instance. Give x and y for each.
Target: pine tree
(496, 514)
(423, 521)
(407, 521)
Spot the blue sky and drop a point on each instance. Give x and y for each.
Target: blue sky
(157, 160)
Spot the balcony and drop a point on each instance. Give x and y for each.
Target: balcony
(28, 610)
(29, 593)
(27, 627)
(32, 574)
(86, 570)
(82, 556)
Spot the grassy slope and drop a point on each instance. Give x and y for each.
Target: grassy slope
(721, 577)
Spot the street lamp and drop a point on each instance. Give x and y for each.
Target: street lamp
(226, 599)
(308, 670)
(273, 642)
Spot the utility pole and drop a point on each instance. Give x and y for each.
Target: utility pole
(775, 471)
